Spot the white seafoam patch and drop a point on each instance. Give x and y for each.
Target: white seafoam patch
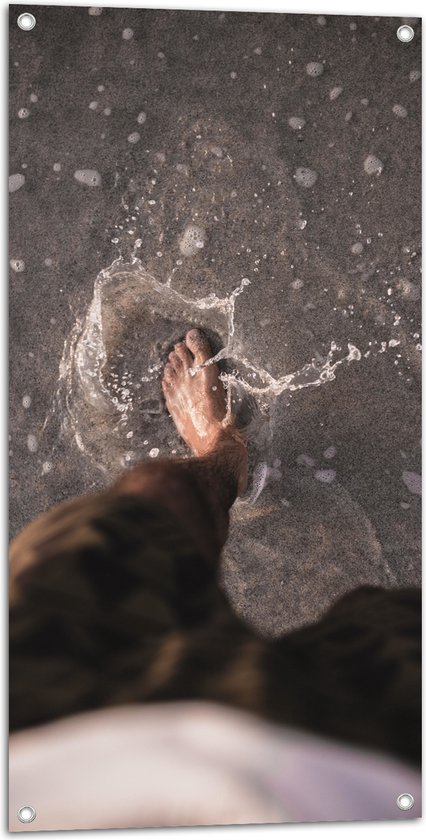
(32, 443)
(296, 123)
(305, 177)
(192, 240)
(399, 111)
(26, 400)
(88, 177)
(17, 265)
(373, 165)
(314, 69)
(414, 75)
(330, 452)
(134, 137)
(16, 181)
(325, 476)
(305, 460)
(23, 113)
(413, 482)
(127, 34)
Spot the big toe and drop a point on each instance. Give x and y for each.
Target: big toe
(199, 345)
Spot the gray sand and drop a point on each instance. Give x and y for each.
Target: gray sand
(211, 147)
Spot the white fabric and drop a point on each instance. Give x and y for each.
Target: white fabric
(194, 764)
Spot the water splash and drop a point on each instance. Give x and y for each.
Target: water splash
(109, 398)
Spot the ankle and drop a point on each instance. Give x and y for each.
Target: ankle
(228, 448)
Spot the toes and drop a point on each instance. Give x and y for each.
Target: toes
(184, 355)
(168, 375)
(175, 361)
(199, 345)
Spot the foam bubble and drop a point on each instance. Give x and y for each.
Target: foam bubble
(353, 26)
(305, 460)
(17, 265)
(48, 261)
(335, 92)
(32, 443)
(373, 165)
(107, 112)
(408, 289)
(95, 11)
(326, 476)
(57, 167)
(154, 453)
(296, 284)
(321, 20)
(23, 113)
(93, 105)
(258, 51)
(33, 97)
(16, 181)
(26, 400)
(357, 248)
(46, 467)
(399, 111)
(134, 137)
(314, 69)
(88, 177)
(141, 118)
(413, 482)
(192, 240)
(305, 177)
(414, 75)
(330, 452)
(296, 123)
(127, 34)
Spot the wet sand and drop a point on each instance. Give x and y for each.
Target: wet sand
(211, 147)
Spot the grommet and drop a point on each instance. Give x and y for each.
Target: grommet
(27, 814)
(405, 33)
(26, 21)
(405, 801)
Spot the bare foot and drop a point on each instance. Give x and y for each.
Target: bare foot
(196, 402)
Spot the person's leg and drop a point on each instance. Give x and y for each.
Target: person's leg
(200, 490)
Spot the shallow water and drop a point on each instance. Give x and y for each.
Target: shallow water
(242, 190)
(109, 399)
